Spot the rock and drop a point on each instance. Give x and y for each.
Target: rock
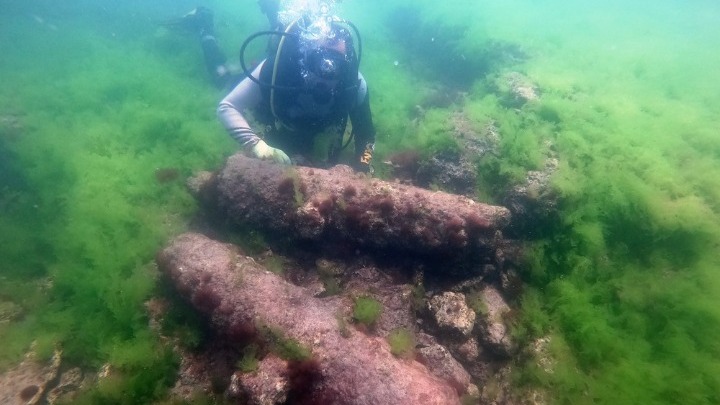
(269, 385)
(450, 172)
(475, 140)
(241, 300)
(205, 371)
(473, 282)
(201, 368)
(455, 171)
(469, 350)
(541, 350)
(473, 393)
(106, 371)
(28, 382)
(497, 388)
(522, 88)
(329, 267)
(202, 186)
(404, 164)
(441, 363)
(9, 311)
(423, 339)
(533, 397)
(452, 314)
(396, 300)
(69, 385)
(511, 282)
(534, 203)
(493, 333)
(517, 89)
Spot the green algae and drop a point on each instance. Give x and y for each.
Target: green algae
(282, 346)
(89, 215)
(249, 362)
(367, 310)
(402, 343)
(623, 280)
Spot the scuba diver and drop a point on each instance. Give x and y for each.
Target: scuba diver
(308, 85)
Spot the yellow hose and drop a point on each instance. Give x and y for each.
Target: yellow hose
(275, 68)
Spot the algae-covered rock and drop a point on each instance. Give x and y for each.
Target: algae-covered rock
(452, 314)
(28, 382)
(494, 334)
(444, 365)
(534, 203)
(69, 385)
(269, 385)
(9, 311)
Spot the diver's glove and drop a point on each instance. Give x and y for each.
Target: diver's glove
(364, 165)
(266, 152)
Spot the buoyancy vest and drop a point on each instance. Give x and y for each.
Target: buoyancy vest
(315, 83)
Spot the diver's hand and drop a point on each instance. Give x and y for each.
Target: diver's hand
(364, 163)
(266, 152)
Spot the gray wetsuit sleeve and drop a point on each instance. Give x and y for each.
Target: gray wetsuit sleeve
(230, 110)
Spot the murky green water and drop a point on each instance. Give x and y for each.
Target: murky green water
(96, 98)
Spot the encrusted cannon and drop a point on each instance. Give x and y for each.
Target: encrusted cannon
(338, 205)
(239, 296)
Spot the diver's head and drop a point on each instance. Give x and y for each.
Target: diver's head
(321, 71)
(329, 65)
(327, 68)
(318, 78)
(313, 73)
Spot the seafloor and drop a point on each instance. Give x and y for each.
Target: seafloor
(596, 124)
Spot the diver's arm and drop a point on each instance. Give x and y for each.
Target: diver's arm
(230, 110)
(363, 128)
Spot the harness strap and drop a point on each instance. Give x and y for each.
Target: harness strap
(275, 70)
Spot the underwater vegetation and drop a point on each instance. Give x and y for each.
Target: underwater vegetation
(367, 310)
(284, 347)
(622, 278)
(623, 281)
(249, 361)
(402, 342)
(84, 207)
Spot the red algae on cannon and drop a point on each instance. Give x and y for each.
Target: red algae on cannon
(341, 205)
(343, 363)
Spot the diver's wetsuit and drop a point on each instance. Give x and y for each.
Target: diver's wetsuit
(248, 94)
(304, 108)
(201, 20)
(304, 100)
